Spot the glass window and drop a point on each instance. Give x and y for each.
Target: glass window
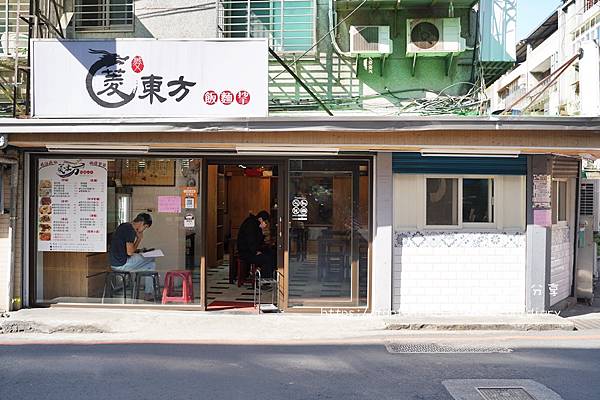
(94, 15)
(477, 200)
(559, 201)
(85, 223)
(442, 201)
(288, 24)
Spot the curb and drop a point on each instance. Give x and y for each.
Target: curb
(7, 327)
(567, 326)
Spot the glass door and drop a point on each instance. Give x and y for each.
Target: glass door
(328, 241)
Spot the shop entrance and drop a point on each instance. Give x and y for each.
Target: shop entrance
(235, 192)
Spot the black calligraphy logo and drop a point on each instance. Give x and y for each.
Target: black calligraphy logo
(68, 168)
(108, 65)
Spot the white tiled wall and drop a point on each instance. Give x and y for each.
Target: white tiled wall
(459, 272)
(561, 265)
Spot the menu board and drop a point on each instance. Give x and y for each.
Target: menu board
(72, 205)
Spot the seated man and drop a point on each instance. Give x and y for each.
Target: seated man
(250, 243)
(125, 241)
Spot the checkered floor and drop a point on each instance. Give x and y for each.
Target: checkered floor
(219, 287)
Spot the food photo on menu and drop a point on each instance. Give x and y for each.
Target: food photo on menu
(45, 210)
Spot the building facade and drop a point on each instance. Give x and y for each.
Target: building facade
(373, 208)
(550, 62)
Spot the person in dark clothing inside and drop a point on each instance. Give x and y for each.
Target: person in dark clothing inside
(251, 246)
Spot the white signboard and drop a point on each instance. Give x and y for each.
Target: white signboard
(72, 205)
(150, 78)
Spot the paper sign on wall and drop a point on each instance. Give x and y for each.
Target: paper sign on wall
(189, 197)
(72, 205)
(169, 204)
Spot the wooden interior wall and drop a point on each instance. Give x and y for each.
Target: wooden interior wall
(65, 274)
(363, 205)
(247, 195)
(211, 216)
(342, 203)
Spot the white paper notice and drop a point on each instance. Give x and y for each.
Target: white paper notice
(72, 205)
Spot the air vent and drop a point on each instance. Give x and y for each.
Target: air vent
(370, 41)
(425, 35)
(587, 199)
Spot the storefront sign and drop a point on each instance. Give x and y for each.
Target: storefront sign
(169, 204)
(72, 205)
(150, 78)
(299, 208)
(189, 197)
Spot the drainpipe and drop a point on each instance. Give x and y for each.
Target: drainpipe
(14, 180)
(333, 30)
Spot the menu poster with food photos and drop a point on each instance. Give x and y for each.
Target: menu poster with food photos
(72, 205)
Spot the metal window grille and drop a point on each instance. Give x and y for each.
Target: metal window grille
(10, 39)
(288, 24)
(103, 15)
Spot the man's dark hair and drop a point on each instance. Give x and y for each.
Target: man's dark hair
(263, 215)
(145, 218)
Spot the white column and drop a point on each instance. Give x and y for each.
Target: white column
(381, 288)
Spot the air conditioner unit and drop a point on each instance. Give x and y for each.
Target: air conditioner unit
(433, 37)
(586, 267)
(370, 41)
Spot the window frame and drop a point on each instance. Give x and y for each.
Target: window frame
(556, 203)
(104, 24)
(464, 225)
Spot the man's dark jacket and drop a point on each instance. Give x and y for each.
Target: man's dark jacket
(250, 237)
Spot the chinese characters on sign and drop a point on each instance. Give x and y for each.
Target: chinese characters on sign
(72, 205)
(137, 78)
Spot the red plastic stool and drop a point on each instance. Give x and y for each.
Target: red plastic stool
(187, 295)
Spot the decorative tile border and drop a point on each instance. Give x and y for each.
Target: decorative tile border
(449, 239)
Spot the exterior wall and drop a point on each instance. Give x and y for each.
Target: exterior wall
(6, 245)
(561, 275)
(163, 19)
(459, 270)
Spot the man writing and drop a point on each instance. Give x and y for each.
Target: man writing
(123, 246)
(250, 243)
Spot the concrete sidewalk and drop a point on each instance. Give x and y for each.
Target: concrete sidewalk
(160, 325)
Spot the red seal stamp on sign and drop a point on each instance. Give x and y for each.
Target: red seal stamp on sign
(137, 64)
(210, 97)
(226, 97)
(242, 97)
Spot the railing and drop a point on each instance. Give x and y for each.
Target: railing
(12, 41)
(288, 24)
(103, 15)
